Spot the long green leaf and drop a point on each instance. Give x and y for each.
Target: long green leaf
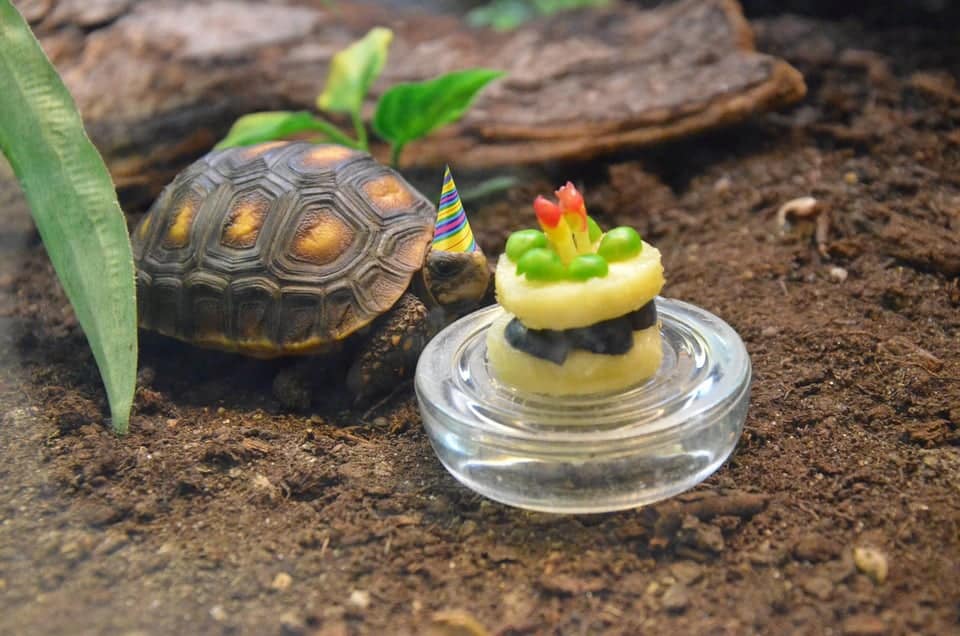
(410, 111)
(73, 203)
(268, 126)
(353, 71)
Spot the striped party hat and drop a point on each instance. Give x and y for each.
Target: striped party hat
(452, 232)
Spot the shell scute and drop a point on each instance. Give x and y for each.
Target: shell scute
(388, 194)
(163, 306)
(254, 303)
(204, 315)
(321, 237)
(320, 157)
(244, 220)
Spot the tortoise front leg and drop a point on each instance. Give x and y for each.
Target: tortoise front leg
(295, 384)
(389, 355)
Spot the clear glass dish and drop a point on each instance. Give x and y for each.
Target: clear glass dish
(594, 453)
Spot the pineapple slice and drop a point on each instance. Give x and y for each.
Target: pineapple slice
(568, 304)
(581, 373)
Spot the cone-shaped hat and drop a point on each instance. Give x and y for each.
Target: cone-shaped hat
(452, 232)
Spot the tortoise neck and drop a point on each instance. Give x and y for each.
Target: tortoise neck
(422, 291)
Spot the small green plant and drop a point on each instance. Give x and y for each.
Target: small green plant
(73, 203)
(406, 112)
(504, 15)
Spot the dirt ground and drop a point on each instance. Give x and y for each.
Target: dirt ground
(839, 512)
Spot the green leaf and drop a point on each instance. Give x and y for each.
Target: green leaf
(353, 71)
(269, 126)
(411, 111)
(73, 203)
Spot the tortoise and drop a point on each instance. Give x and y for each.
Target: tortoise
(285, 249)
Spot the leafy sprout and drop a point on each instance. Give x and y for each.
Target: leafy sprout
(405, 112)
(352, 72)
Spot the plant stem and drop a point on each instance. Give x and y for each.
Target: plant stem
(395, 150)
(336, 135)
(361, 131)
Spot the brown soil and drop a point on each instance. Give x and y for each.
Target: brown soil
(222, 513)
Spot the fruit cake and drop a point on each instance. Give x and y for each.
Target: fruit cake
(580, 304)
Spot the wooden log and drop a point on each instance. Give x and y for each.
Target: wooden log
(926, 246)
(159, 82)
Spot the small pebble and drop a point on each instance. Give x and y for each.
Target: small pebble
(838, 274)
(765, 554)
(360, 599)
(769, 332)
(146, 509)
(686, 572)
(676, 598)
(467, 528)
(871, 562)
(76, 548)
(281, 582)
(218, 614)
(819, 587)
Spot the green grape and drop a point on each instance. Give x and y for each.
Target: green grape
(522, 241)
(619, 244)
(593, 229)
(540, 263)
(587, 266)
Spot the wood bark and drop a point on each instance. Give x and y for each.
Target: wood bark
(928, 247)
(159, 82)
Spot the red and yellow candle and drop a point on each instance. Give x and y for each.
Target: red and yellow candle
(575, 213)
(555, 226)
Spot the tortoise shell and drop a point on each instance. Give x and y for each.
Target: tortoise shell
(278, 249)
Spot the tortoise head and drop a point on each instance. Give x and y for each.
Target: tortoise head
(457, 281)
(455, 272)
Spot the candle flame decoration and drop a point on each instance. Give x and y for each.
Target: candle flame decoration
(548, 212)
(555, 226)
(571, 203)
(452, 232)
(565, 224)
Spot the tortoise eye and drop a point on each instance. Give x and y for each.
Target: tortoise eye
(446, 268)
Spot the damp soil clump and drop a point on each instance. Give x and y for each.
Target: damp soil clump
(839, 510)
